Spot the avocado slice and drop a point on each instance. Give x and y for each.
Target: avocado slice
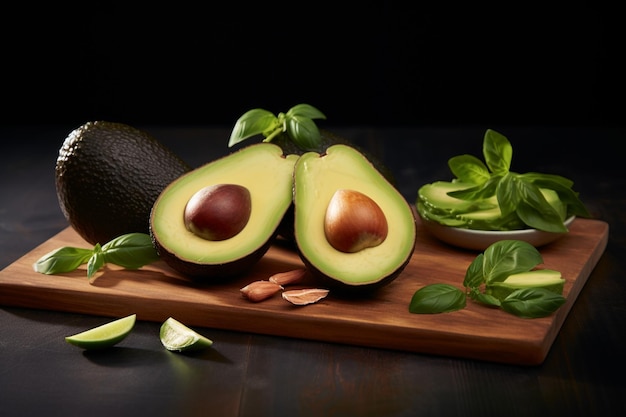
(435, 196)
(108, 176)
(435, 204)
(548, 279)
(492, 219)
(317, 179)
(265, 172)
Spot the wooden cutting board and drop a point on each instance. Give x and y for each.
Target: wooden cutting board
(156, 292)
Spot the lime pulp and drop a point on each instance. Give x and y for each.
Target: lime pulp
(175, 336)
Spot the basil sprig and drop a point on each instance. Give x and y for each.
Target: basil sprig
(131, 251)
(518, 194)
(297, 123)
(495, 264)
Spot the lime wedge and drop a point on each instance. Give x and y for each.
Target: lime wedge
(104, 336)
(175, 336)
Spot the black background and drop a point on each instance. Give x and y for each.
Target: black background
(366, 64)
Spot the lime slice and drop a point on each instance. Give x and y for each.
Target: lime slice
(175, 336)
(104, 336)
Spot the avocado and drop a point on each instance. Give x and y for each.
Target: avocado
(435, 204)
(548, 279)
(435, 196)
(327, 139)
(108, 176)
(266, 175)
(353, 229)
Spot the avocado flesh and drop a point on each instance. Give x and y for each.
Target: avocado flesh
(434, 203)
(265, 172)
(435, 196)
(548, 279)
(327, 139)
(108, 176)
(317, 178)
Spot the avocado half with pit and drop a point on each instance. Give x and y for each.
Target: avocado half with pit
(218, 220)
(353, 229)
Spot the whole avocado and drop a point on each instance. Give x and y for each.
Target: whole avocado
(107, 177)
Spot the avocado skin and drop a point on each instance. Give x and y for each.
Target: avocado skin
(107, 177)
(346, 290)
(216, 272)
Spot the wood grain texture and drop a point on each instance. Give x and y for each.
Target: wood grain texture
(156, 292)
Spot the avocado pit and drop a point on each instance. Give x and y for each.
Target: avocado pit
(354, 222)
(218, 212)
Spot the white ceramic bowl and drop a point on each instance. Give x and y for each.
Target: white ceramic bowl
(482, 239)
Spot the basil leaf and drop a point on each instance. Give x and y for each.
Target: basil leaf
(474, 276)
(534, 209)
(541, 218)
(480, 192)
(66, 259)
(95, 262)
(532, 302)
(498, 152)
(251, 123)
(303, 132)
(548, 180)
(508, 257)
(128, 240)
(468, 168)
(562, 186)
(131, 251)
(437, 298)
(507, 194)
(305, 110)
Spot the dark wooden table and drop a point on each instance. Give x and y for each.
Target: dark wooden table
(252, 374)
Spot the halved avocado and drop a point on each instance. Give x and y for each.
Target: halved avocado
(317, 179)
(268, 176)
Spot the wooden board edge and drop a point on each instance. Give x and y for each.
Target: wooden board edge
(572, 296)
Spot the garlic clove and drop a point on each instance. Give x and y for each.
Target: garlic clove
(260, 290)
(305, 296)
